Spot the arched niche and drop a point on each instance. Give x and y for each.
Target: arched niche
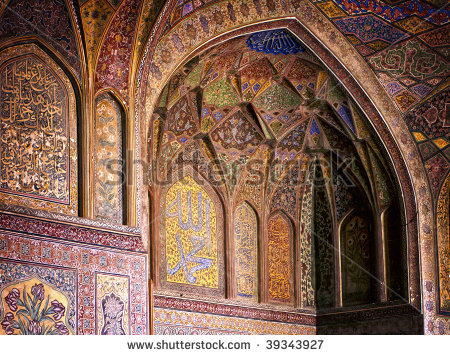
(246, 262)
(191, 237)
(39, 132)
(357, 258)
(110, 164)
(321, 45)
(280, 286)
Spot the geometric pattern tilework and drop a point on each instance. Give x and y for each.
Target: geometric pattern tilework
(71, 232)
(176, 322)
(73, 273)
(112, 304)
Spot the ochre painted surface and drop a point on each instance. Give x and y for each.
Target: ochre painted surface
(33, 307)
(191, 237)
(443, 239)
(280, 259)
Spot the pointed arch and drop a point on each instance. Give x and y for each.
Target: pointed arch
(39, 132)
(191, 236)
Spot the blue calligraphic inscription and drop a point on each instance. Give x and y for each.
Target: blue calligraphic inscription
(275, 42)
(198, 242)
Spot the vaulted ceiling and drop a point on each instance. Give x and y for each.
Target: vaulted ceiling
(405, 43)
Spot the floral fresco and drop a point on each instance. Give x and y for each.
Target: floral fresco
(34, 308)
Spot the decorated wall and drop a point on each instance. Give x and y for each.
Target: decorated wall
(188, 142)
(39, 132)
(52, 283)
(297, 171)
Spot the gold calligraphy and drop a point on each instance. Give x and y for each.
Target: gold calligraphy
(245, 235)
(279, 259)
(191, 235)
(33, 125)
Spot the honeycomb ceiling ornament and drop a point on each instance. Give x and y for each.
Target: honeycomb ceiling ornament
(249, 93)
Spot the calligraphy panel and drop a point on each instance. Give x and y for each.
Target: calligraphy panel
(443, 240)
(280, 249)
(246, 252)
(192, 251)
(109, 177)
(38, 132)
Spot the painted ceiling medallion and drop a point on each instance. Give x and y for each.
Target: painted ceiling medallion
(275, 42)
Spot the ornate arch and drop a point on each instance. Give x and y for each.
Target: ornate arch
(246, 252)
(328, 44)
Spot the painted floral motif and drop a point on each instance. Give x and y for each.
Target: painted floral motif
(112, 307)
(108, 141)
(31, 315)
(237, 133)
(443, 239)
